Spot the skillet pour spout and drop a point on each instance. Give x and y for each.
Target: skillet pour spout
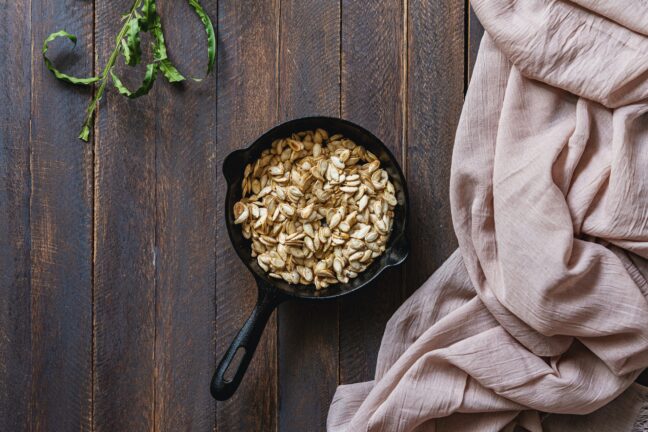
(272, 292)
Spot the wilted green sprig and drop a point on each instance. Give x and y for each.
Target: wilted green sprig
(142, 17)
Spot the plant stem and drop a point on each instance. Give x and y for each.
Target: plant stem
(87, 123)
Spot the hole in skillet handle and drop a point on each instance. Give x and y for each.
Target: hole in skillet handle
(230, 372)
(232, 368)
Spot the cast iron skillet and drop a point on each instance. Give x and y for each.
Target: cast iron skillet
(271, 292)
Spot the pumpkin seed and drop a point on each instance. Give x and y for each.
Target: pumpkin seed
(317, 209)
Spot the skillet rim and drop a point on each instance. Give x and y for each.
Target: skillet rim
(399, 245)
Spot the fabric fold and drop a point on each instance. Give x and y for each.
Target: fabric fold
(599, 57)
(543, 307)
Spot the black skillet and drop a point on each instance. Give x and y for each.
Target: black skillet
(272, 292)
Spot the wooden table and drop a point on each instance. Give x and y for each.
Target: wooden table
(119, 290)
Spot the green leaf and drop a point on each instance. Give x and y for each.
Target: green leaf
(131, 46)
(142, 17)
(85, 133)
(170, 72)
(149, 15)
(159, 44)
(147, 83)
(58, 74)
(211, 35)
(160, 53)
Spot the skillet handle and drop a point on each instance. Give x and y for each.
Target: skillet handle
(226, 381)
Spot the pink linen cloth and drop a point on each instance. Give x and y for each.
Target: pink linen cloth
(544, 306)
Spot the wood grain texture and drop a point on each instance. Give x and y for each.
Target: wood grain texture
(309, 72)
(435, 97)
(246, 107)
(119, 289)
(373, 94)
(186, 235)
(61, 227)
(475, 33)
(125, 228)
(15, 298)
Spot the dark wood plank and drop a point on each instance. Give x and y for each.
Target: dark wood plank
(61, 226)
(186, 239)
(435, 96)
(246, 107)
(124, 224)
(15, 298)
(373, 60)
(475, 33)
(309, 71)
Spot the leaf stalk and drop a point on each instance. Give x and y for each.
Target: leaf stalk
(92, 106)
